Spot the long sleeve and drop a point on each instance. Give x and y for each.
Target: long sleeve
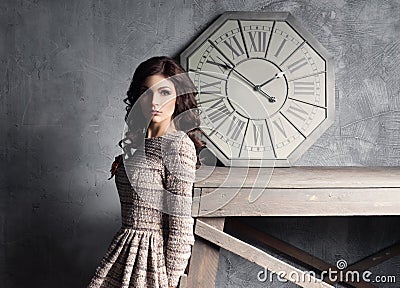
(180, 168)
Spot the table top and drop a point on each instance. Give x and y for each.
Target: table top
(298, 177)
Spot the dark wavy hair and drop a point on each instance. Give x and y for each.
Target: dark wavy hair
(185, 101)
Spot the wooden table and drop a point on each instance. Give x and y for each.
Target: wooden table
(297, 191)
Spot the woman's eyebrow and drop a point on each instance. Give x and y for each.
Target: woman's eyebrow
(143, 86)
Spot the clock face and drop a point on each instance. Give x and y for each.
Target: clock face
(265, 88)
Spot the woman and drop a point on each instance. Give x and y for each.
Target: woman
(153, 246)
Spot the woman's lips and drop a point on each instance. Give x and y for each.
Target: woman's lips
(155, 112)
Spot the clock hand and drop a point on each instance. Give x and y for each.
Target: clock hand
(228, 66)
(241, 75)
(277, 75)
(269, 97)
(255, 87)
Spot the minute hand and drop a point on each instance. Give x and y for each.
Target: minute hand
(255, 87)
(270, 98)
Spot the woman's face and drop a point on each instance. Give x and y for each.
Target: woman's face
(159, 95)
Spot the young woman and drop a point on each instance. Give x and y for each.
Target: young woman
(153, 246)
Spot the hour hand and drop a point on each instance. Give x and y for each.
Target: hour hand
(255, 87)
(280, 74)
(277, 75)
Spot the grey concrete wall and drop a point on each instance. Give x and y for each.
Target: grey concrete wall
(65, 67)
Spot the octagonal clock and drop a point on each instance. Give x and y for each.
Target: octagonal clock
(265, 88)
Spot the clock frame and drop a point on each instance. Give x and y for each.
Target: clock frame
(250, 116)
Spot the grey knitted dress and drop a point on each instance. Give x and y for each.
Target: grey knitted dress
(153, 245)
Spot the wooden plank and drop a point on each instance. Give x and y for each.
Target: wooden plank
(300, 202)
(257, 256)
(299, 177)
(293, 252)
(376, 258)
(247, 231)
(196, 201)
(203, 265)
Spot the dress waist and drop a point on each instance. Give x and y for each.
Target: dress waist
(152, 230)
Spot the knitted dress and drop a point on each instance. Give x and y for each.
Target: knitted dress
(153, 245)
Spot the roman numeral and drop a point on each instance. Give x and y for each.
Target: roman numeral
(305, 88)
(211, 87)
(223, 66)
(280, 48)
(279, 125)
(237, 50)
(218, 111)
(258, 134)
(297, 65)
(258, 41)
(297, 111)
(235, 127)
(202, 102)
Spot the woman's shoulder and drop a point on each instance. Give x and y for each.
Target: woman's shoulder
(180, 141)
(179, 158)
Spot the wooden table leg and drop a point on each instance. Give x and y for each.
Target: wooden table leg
(203, 264)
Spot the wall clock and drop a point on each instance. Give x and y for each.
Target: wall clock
(265, 88)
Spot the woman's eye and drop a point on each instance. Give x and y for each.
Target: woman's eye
(165, 92)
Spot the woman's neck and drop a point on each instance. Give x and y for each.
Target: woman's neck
(156, 131)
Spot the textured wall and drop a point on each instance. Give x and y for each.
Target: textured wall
(65, 67)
